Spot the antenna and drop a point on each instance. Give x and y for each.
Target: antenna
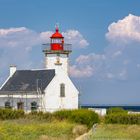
(57, 26)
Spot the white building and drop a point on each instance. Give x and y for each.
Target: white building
(49, 89)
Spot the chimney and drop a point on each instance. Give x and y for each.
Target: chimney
(12, 70)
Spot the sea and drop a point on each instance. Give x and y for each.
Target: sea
(135, 108)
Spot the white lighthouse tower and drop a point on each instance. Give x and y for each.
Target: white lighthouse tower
(61, 92)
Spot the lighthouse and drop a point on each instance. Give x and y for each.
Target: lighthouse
(61, 92)
(57, 53)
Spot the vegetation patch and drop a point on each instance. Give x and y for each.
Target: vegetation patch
(11, 114)
(118, 132)
(81, 116)
(64, 124)
(122, 119)
(24, 129)
(116, 110)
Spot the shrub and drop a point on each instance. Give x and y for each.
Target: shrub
(39, 115)
(122, 118)
(116, 110)
(62, 114)
(11, 114)
(82, 116)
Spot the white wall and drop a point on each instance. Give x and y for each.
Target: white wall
(14, 99)
(51, 61)
(53, 101)
(99, 111)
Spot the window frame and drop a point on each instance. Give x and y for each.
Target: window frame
(7, 104)
(34, 107)
(62, 90)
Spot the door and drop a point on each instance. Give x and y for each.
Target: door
(20, 105)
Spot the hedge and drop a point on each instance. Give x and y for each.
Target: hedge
(11, 114)
(39, 115)
(116, 110)
(122, 118)
(82, 116)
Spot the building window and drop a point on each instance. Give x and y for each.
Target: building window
(7, 104)
(20, 105)
(62, 90)
(34, 106)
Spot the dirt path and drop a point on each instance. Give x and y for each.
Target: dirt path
(86, 136)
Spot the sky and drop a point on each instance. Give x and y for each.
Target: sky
(105, 36)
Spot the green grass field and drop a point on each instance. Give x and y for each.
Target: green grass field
(24, 129)
(116, 132)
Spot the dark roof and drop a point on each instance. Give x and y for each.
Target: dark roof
(29, 80)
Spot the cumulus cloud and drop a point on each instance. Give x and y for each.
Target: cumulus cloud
(18, 37)
(15, 47)
(101, 66)
(125, 30)
(76, 71)
(120, 60)
(45, 36)
(89, 58)
(86, 65)
(76, 38)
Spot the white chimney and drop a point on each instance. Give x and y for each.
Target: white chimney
(12, 70)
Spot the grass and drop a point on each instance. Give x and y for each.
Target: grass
(116, 132)
(23, 129)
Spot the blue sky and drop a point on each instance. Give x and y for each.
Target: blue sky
(105, 63)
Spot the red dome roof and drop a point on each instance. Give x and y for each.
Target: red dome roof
(57, 34)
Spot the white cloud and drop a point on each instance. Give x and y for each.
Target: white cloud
(75, 38)
(45, 36)
(111, 65)
(116, 62)
(124, 31)
(110, 75)
(90, 57)
(81, 72)
(18, 37)
(123, 74)
(86, 65)
(117, 53)
(4, 32)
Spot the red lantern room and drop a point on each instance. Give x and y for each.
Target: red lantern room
(57, 41)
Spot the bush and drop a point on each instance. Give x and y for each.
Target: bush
(11, 114)
(82, 116)
(122, 118)
(62, 114)
(117, 110)
(39, 115)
